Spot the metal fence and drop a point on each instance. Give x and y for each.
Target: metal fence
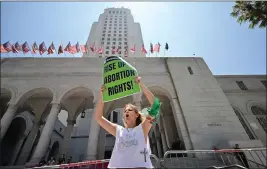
(96, 164)
(208, 159)
(248, 158)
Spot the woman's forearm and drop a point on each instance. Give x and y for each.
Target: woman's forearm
(150, 97)
(99, 109)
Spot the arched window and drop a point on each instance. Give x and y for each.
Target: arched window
(242, 121)
(260, 116)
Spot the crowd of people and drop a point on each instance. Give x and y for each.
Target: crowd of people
(52, 161)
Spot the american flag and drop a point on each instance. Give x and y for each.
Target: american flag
(51, 49)
(113, 50)
(34, 48)
(133, 49)
(68, 47)
(42, 48)
(157, 47)
(151, 47)
(78, 49)
(118, 49)
(84, 48)
(7, 46)
(14, 49)
(143, 49)
(25, 47)
(18, 46)
(100, 50)
(92, 47)
(60, 49)
(73, 49)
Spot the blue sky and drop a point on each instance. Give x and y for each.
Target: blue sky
(203, 28)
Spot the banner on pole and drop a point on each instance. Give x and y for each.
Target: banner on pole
(118, 79)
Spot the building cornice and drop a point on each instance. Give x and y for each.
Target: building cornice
(54, 74)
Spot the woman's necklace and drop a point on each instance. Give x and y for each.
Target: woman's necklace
(130, 129)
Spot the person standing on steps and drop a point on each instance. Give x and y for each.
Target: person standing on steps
(132, 148)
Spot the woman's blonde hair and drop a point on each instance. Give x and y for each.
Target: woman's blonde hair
(139, 119)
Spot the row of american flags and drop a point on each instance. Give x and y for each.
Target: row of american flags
(72, 49)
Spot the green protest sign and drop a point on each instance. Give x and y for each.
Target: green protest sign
(118, 78)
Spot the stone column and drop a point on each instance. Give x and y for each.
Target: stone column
(93, 140)
(16, 151)
(7, 119)
(46, 135)
(164, 144)
(67, 137)
(25, 152)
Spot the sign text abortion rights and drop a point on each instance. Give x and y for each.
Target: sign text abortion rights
(118, 78)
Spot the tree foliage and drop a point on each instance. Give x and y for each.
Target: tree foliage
(254, 12)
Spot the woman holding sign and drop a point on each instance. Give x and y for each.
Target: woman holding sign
(132, 149)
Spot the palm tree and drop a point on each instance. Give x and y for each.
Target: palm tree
(255, 12)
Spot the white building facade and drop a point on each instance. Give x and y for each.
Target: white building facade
(198, 108)
(115, 29)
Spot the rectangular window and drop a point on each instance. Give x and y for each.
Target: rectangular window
(104, 27)
(114, 35)
(110, 21)
(115, 21)
(106, 52)
(102, 43)
(115, 117)
(108, 35)
(108, 39)
(125, 43)
(125, 34)
(264, 82)
(100, 56)
(241, 85)
(105, 24)
(104, 31)
(107, 47)
(114, 38)
(119, 43)
(109, 31)
(114, 43)
(190, 70)
(119, 35)
(103, 38)
(125, 39)
(119, 39)
(108, 43)
(103, 35)
(119, 52)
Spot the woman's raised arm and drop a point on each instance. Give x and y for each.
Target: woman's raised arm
(102, 121)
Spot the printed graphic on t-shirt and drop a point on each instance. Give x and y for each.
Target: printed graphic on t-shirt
(126, 141)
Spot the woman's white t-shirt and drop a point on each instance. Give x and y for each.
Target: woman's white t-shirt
(130, 150)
